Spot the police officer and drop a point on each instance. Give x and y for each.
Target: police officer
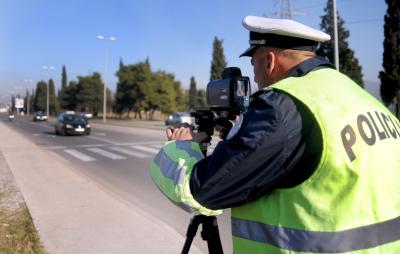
(311, 167)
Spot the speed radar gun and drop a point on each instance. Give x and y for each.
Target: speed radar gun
(226, 97)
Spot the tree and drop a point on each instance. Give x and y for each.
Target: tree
(54, 107)
(218, 63)
(89, 93)
(26, 100)
(121, 63)
(134, 81)
(13, 103)
(62, 96)
(348, 63)
(180, 97)
(192, 100)
(201, 98)
(390, 76)
(40, 100)
(164, 94)
(70, 97)
(32, 101)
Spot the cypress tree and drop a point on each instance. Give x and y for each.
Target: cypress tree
(71, 93)
(218, 63)
(64, 79)
(348, 63)
(192, 100)
(390, 76)
(53, 103)
(121, 63)
(40, 96)
(62, 96)
(201, 98)
(12, 103)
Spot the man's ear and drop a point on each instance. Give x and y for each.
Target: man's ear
(271, 58)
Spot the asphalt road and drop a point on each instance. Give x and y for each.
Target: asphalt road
(118, 158)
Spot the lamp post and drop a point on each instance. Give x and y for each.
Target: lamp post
(106, 39)
(335, 31)
(45, 67)
(28, 95)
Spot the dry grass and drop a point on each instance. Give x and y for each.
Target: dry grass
(17, 233)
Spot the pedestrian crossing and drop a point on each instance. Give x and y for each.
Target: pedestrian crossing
(79, 155)
(95, 153)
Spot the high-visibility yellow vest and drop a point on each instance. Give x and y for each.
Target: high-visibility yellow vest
(351, 203)
(171, 170)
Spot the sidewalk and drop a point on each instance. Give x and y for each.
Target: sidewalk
(74, 215)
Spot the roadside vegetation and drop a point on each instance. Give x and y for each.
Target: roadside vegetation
(17, 232)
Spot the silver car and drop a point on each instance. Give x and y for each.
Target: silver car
(178, 118)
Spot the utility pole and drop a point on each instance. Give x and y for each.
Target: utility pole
(106, 39)
(286, 11)
(45, 67)
(335, 32)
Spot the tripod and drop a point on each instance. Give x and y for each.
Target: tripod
(205, 121)
(209, 233)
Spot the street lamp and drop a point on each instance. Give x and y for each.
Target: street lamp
(28, 95)
(106, 39)
(45, 67)
(336, 39)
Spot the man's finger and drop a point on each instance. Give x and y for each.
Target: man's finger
(199, 137)
(169, 132)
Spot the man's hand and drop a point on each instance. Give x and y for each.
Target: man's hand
(185, 132)
(225, 124)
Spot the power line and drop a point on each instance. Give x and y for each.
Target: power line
(364, 21)
(322, 4)
(286, 11)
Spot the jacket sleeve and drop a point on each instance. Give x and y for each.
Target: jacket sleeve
(171, 169)
(256, 160)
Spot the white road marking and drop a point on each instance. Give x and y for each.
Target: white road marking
(157, 146)
(79, 155)
(100, 134)
(103, 140)
(54, 147)
(146, 149)
(107, 154)
(129, 152)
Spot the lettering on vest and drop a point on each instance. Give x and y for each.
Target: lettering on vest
(349, 139)
(378, 126)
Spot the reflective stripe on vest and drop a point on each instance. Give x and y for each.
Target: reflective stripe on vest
(350, 203)
(318, 242)
(170, 168)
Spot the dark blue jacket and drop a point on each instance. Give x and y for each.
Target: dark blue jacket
(252, 163)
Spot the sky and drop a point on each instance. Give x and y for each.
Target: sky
(175, 35)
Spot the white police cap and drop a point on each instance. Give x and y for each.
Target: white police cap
(281, 33)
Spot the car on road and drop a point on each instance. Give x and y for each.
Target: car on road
(178, 118)
(70, 123)
(39, 116)
(87, 115)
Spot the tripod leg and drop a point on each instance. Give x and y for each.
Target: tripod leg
(210, 233)
(190, 233)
